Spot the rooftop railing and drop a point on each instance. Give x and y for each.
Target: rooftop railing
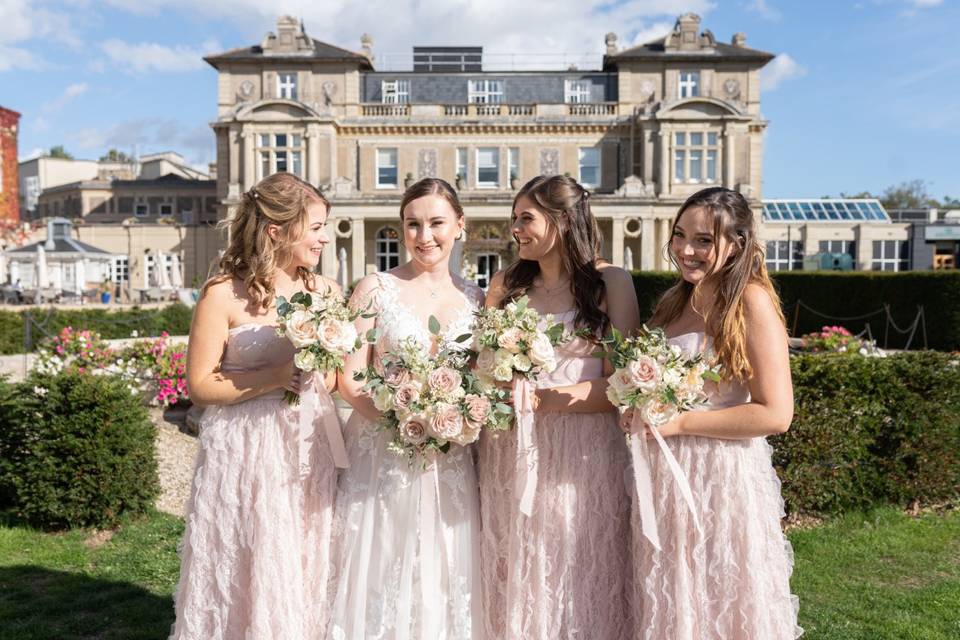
(489, 110)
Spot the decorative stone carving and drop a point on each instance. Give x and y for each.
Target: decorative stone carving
(549, 162)
(343, 188)
(731, 88)
(427, 163)
(634, 187)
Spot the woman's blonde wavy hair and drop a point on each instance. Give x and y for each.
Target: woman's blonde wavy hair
(252, 255)
(724, 317)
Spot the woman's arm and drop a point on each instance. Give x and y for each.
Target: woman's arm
(590, 396)
(209, 333)
(352, 390)
(770, 409)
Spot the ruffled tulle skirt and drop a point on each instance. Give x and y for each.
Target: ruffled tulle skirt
(733, 581)
(255, 554)
(563, 571)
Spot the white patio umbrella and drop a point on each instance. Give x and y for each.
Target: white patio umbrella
(628, 259)
(43, 274)
(80, 276)
(160, 268)
(176, 275)
(3, 268)
(342, 272)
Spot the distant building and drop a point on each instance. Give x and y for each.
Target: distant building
(935, 237)
(38, 174)
(9, 183)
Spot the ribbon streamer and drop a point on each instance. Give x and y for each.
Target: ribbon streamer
(527, 454)
(430, 580)
(640, 454)
(316, 405)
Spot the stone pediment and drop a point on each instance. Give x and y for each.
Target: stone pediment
(275, 109)
(698, 108)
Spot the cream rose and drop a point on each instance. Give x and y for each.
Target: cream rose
(443, 381)
(657, 413)
(504, 372)
(522, 363)
(413, 430)
(305, 360)
(334, 335)
(383, 398)
(446, 423)
(510, 340)
(301, 329)
(541, 351)
(485, 360)
(621, 382)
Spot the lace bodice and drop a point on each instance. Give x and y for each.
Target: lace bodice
(397, 321)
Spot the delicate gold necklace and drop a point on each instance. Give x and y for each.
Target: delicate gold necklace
(557, 287)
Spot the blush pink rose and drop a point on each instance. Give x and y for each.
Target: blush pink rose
(510, 340)
(443, 381)
(645, 373)
(478, 408)
(406, 394)
(413, 430)
(446, 422)
(395, 375)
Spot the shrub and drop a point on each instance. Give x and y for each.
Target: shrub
(109, 324)
(871, 431)
(75, 450)
(852, 294)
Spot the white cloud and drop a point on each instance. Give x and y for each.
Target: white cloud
(500, 26)
(37, 152)
(779, 70)
(17, 58)
(765, 10)
(65, 98)
(655, 31)
(152, 57)
(148, 135)
(21, 22)
(924, 4)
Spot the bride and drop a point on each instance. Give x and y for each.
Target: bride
(406, 556)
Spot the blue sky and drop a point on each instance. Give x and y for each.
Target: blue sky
(864, 94)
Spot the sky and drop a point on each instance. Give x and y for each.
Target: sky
(862, 94)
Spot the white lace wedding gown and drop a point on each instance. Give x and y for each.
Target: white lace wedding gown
(406, 540)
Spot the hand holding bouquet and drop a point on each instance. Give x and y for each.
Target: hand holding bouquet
(429, 401)
(656, 380)
(320, 326)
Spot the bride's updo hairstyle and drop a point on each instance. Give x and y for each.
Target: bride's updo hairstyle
(431, 187)
(566, 206)
(252, 255)
(733, 220)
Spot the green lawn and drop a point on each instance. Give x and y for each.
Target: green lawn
(879, 576)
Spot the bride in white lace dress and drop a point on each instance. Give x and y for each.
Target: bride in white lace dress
(387, 509)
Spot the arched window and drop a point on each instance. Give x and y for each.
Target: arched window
(388, 249)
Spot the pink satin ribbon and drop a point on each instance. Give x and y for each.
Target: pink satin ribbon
(430, 580)
(527, 454)
(640, 454)
(316, 405)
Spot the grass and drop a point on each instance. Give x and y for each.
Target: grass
(879, 576)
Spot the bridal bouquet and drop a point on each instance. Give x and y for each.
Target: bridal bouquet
(320, 326)
(509, 341)
(430, 401)
(656, 380)
(654, 377)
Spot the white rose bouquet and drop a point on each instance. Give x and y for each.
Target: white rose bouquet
(320, 326)
(430, 401)
(654, 377)
(509, 341)
(656, 380)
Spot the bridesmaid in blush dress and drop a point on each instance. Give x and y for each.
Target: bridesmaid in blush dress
(732, 581)
(255, 554)
(560, 568)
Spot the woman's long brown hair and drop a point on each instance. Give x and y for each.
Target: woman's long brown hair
(724, 318)
(566, 206)
(252, 255)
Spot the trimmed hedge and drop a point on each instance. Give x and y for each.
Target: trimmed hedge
(174, 319)
(849, 294)
(75, 450)
(870, 431)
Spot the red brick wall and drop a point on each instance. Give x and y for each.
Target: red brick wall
(9, 199)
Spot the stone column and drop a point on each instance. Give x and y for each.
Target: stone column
(328, 259)
(729, 153)
(313, 155)
(648, 139)
(249, 174)
(662, 261)
(357, 250)
(616, 243)
(663, 183)
(648, 244)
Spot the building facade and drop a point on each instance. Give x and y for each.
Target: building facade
(9, 181)
(647, 128)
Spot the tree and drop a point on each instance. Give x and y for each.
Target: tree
(114, 155)
(59, 152)
(950, 203)
(908, 195)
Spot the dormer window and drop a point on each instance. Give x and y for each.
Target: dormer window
(395, 91)
(287, 86)
(576, 91)
(485, 91)
(689, 85)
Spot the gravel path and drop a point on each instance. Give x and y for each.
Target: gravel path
(176, 452)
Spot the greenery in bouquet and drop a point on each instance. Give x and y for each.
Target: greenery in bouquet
(653, 376)
(511, 341)
(430, 401)
(836, 339)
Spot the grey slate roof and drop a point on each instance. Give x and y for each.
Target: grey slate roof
(655, 51)
(321, 52)
(61, 245)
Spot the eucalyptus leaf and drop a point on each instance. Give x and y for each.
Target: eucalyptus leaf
(434, 325)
